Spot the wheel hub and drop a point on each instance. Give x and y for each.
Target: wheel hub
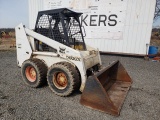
(30, 73)
(60, 80)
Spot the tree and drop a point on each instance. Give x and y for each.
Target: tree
(157, 10)
(0, 35)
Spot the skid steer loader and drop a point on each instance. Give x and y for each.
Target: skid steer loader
(56, 52)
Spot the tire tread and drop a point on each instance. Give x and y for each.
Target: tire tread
(73, 74)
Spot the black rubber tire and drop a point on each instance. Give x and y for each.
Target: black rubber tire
(41, 72)
(72, 75)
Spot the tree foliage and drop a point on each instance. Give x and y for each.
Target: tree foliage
(157, 10)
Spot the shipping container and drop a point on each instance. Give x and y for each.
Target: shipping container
(112, 26)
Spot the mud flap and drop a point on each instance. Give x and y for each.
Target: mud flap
(106, 90)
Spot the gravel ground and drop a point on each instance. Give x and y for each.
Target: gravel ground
(18, 101)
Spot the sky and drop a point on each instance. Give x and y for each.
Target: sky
(156, 24)
(13, 12)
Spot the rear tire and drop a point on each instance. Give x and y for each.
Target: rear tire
(63, 79)
(34, 72)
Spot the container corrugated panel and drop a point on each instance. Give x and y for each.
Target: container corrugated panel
(129, 34)
(34, 7)
(136, 32)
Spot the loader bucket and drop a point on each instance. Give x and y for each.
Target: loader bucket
(106, 90)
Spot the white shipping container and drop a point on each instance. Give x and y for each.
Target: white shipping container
(114, 26)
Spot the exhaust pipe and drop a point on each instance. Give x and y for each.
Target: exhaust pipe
(106, 90)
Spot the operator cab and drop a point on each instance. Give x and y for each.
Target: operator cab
(61, 25)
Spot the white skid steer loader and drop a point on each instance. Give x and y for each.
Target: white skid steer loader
(56, 52)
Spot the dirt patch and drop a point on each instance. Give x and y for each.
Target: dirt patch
(7, 44)
(136, 105)
(151, 93)
(11, 111)
(1, 114)
(155, 42)
(3, 96)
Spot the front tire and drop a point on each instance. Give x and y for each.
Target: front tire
(63, 79)
(34, 72)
